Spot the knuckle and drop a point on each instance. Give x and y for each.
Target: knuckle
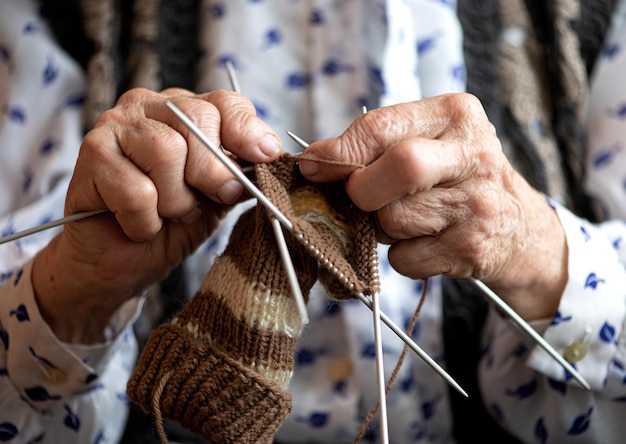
(109, 117)
(94, 145)
(468, 104)
(218, 95)
(140, 197)
(235, 102)
(174, 91)
(466, 109)
(410, 168)
(375, 125)
(135, 95)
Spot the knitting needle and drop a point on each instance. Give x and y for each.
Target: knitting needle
(292, 279)
(380, 372)
(514, 316)
(62, 221)
(531, 332)
(285, 257)
(232, 76)
(51, 224)
(228, 163)
(413, 346)
(286, 223)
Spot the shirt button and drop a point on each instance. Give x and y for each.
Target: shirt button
(55, 376)
(575, 352)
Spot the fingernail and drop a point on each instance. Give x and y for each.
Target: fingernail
(309, 168)
(230, 191)
(270, 145)
(192, 216)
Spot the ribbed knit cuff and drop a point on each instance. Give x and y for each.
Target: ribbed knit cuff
(207, 391)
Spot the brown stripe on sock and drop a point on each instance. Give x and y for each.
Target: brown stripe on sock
(207, 391)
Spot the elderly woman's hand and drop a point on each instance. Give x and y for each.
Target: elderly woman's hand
(448, 200)
(165, 191)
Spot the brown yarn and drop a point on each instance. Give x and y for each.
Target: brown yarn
(278, 181)
(356, 166)
(156, 405)
(396, 370)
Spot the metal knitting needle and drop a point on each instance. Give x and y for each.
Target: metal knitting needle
(285, 257)
(62, 221)
(531, 332)
(51, 224)
(380, 369)
(250, 187)
(286, 223)
(380, 372)
(413, 346)
(247, 183)
(292, 279)
(232, 76)
(514, 316)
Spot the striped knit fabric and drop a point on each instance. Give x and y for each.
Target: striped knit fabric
(222, 366)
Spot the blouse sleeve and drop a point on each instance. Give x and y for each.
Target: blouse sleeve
(52, 389)
(535, 398)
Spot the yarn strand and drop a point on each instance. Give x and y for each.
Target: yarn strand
(396, 369)
(156, 405)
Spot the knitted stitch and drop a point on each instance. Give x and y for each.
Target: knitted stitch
(222, 366)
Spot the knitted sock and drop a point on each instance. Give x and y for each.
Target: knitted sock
(222, 366)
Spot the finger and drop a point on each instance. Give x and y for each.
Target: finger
(230, 123)
(410, 167)
(161, 153)
(106, 179)
(227, 119)
(427, 214)
(375, 132)
(154, 147)
(425, 256)
(242, 132)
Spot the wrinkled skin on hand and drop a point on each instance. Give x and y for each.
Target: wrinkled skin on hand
(165, 191)
(448, 200)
